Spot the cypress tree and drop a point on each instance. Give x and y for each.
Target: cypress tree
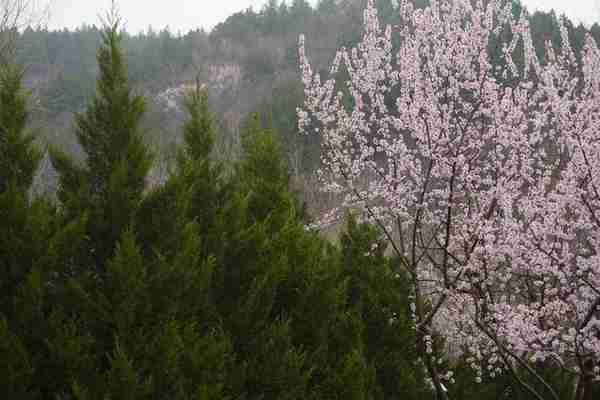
(33, 250)
(108, 187)
(98, 200)
(18, 157)
(379, 293)
(18, 161)
(194, 192)
(279, 294)
(199, 179)
(151, 325)
(152, 328)
(253, 226)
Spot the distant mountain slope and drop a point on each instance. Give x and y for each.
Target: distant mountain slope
(248, 62)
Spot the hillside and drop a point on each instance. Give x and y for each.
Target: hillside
(248, 62)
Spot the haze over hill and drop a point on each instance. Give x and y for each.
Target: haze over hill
(248, 61)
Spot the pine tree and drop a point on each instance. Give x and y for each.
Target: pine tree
(379, 293)
(199, 178)
(279, 287)
(108, 188)
(153, 329)
(195, 190)
(150, 328)
(33, 248)
(18, 162)
(258, 224)
(18, 157)
(263, 174)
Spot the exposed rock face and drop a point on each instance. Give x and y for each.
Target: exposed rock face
(222, 76)
(171, 98)
(219, 77)
(45, 180)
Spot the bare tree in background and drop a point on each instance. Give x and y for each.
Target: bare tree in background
(16, 15)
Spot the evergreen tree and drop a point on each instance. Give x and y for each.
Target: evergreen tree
(379, 293)
(33, 250)
(151, 328)
(18, 157)
(257, 293)
(279, 286)
(263, 174)
(199, 177)
(193, 192)
(108, 188)
(18, 161)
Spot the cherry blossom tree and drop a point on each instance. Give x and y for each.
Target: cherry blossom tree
(480, 164)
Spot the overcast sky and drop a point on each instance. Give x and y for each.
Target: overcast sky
(183, 15)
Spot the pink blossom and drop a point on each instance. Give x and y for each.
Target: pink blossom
(483, 174)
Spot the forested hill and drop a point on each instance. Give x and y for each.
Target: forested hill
(249, 62)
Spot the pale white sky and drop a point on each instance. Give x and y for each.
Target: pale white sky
(587, 11)
(138, 15)
(183, 15)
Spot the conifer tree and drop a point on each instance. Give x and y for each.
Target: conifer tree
(151, 327)
(195, 190)
(18, 157)
(257, 208)
(153, 315)
(280, 287)
(257, 223)
(263, 174)
(199, 178)
(18, 161)
(380, 294)
(108, 188)
(98, 200)
(33, 248)
(247, 270)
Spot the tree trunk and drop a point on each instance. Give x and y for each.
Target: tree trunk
(585, 385)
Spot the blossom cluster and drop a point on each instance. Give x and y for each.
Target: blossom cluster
(483, 170)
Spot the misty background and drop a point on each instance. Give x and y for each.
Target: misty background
(243, 51)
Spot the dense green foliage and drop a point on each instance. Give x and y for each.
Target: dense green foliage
(207, 286)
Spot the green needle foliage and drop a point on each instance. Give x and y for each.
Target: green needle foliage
(34, 248)
(108, 188)
(193, 193)
(378, 291)
(18, 157)
(18, 162)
